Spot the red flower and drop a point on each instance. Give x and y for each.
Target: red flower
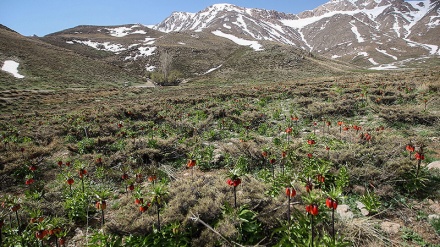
(144, 208)
(320, 178)
(419, 156)
(29, 181)
(289, 130)
(139, 178)
(309, 186)
(152, 178)
(82, 172)
(327, 148)
(60, 163)
(410, 148)
(309, 155)
(330, 203)
(138, 201)
(340, 123)
(314, 210)
(124, 176)
(357, 128)
(367, 137)
(15, 208)
(233, 182)
(272, 161)
(40, 234)
(309, 208)
(236, 182)
(264, 154)
(328, 123)
(33, 167)
(70, 181)
(311, 142)
(191, 163)
(68, 163)
(290, 192)
(283, 154)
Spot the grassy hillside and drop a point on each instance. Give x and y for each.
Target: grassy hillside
(46, 66)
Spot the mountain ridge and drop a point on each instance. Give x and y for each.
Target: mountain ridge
(365, 25)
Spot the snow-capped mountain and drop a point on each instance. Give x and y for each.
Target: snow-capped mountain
(368, 32)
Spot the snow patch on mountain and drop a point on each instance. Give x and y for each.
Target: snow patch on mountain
(253, 44)
(124, 31)
(150, 68)
(149, 41)
(371, 60)
(145, 51)
(210, 70)
(12, 68)
(356, 32)
(384, 67)
(385, 53)
(433, 49)
(303, 22)
(106, 46)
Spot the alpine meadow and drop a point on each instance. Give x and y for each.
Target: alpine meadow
(230, 126)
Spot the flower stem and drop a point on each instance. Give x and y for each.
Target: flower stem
(158, 216)
(235, 197)
(313, 234)
(333, 226)
(102, 215)
(288, 210)
(18, 219)
(82, 184)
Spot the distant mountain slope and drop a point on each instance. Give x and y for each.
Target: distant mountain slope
(138, 48)
(47, 66)
(366, 32)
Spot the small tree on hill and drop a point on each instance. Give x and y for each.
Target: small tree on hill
(166, 76)
(166, 61)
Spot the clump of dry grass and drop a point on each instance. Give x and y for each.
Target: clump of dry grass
(365, 232)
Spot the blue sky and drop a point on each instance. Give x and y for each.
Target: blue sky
(41, 17)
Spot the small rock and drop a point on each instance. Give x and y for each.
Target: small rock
(432, 217)
(364, 212)
(390, 227)
(344, 212)
(434, 165)
(435, 207)
(360, 205)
